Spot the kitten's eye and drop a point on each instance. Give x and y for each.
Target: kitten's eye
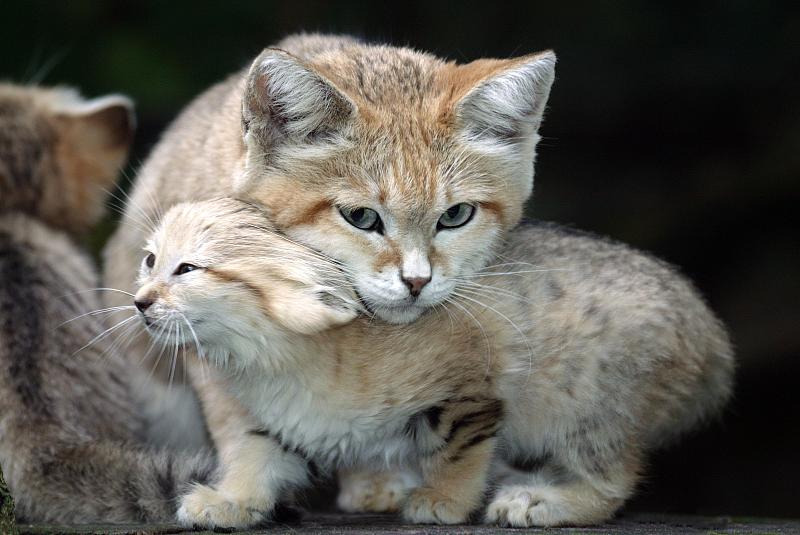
(185, 268)
(363, 218)
(150, 260)
(456, 216)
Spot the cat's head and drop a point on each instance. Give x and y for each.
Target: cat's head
(406, 168)
(216, 272)
(59, 153)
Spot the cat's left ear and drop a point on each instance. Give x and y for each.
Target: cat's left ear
(288, 101)
(98, 134)
(505, 99)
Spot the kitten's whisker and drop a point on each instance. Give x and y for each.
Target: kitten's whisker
(153, 340)
(163, 349)
(96, 313)
(194, 335)
(105, 333)
(96, 290)
(120, 338)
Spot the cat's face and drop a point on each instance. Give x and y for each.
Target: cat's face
(406, 169)
(59, 153)
(214, 272)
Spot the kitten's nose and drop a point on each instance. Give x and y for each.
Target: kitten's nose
(416, 284)
(143, 304)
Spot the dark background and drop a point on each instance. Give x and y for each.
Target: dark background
(674, 127)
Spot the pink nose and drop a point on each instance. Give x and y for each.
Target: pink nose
(416, 284)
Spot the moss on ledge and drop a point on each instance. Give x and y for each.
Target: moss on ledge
(7, 526)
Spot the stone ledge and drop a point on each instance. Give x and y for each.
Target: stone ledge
(388, 524)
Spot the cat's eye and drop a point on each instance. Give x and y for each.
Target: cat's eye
(362, 218)
(150, 260)
(456, 216)
(185, 268)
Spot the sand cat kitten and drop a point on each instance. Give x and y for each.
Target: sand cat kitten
(69, 422)
(405, 167)
(583, 369)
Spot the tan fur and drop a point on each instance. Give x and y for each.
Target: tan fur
(573, 351)
(82, 143)
(377, 126)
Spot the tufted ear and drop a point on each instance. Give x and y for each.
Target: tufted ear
(508, 100)
(285, 100)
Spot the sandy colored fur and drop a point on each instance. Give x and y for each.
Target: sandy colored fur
(575, 352)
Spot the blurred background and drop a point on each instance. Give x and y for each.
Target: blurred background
(672, 126)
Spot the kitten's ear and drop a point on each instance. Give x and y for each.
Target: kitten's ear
(508, 100)
(99, 133)
(286, 100)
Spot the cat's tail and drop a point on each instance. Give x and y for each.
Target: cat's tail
(105, 482)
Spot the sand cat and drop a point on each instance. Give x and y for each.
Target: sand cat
(71, 430)
(582, 369)
(405, 167)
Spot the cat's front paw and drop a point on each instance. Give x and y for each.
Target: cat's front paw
(374, 492)
(208, 507)
(522, 506)
(428, 506)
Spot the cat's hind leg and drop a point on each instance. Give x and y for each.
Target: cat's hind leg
(362, 490)
(555, 496)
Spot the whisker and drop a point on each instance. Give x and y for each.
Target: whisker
(105, 333)
(96, 313)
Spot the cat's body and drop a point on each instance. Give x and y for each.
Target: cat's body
(71, 429)
(575, 352)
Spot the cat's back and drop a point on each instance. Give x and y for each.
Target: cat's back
(45, 283)
(602, 317)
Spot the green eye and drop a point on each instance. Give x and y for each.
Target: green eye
(150, 260)
(185, 268)
(362, 218)
(456, 216)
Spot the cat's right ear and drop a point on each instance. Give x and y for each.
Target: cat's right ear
(286, 101)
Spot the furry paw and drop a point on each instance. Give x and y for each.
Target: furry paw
(374, 492)
(208, 507)
(427, 506)
(521, 506)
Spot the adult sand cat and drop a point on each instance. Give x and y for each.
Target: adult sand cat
(583, 369)
(406, 168)
(72, 432)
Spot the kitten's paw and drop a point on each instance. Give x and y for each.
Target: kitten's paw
(208, 507)
(427, 506)
(521, 506)
(374, 492)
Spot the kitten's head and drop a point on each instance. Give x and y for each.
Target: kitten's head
(215, 272)
(59, 153)
(406, 168)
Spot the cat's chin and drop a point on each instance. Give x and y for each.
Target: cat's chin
(399, 315)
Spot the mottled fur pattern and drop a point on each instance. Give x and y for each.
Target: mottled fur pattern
(70, 427)
(575, 352)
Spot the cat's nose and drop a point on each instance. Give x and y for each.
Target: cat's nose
(143, 304)
(416, 284)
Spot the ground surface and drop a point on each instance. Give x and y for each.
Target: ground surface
(379, 524)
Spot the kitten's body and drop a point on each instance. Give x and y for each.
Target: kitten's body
(582, 368)
(71, 432)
